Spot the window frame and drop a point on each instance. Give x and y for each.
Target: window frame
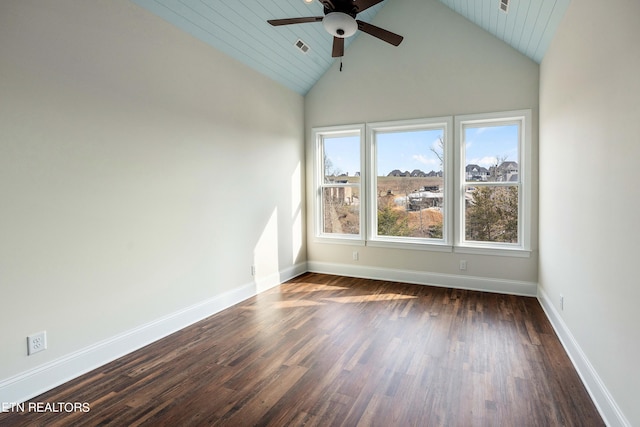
(318, 135)
(523, 119)
(373, 239)
(454, 182)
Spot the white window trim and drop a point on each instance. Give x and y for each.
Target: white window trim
(523, 247)
(317, 135)
(444, 244)
(453, 240)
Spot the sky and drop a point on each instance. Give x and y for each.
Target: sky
(411, 150)
(485, 145)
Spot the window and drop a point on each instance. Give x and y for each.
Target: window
(339, 182)
(409, 191)
(408, 184)
(493, 174)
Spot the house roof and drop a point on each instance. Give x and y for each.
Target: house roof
(476, 168)
(239, 29)
(508, 165)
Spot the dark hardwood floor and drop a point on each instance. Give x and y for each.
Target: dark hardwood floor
(325, 350)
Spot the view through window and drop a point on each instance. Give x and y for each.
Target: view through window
(341, 184)
(491, 158)
(411, 183)
(410, 189)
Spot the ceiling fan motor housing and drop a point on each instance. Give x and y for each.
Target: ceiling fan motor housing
(340, 24)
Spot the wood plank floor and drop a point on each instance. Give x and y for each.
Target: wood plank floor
(325, 350)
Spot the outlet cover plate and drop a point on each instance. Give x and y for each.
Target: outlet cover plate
(36, 342)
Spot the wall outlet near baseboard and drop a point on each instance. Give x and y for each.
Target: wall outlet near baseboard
(561, 302)
(463, 264)
(36, 342)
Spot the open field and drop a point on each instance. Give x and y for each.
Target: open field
(399, 185)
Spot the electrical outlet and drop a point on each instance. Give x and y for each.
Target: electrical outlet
(253, 270)
(356, 256)
(36, 342)
(561, 302)
(463, 264)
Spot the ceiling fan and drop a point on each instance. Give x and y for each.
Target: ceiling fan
(340, 21)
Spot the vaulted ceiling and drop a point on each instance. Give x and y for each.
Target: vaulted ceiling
(240, 29)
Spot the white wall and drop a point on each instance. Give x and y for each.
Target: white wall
(141, 172)
(589, 200)
(445, 66)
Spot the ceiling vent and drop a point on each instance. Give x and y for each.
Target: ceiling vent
(304, 48)
(504, 5)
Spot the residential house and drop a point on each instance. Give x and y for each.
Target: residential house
(476, 173)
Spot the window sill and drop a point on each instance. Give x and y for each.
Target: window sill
(433, 247)
(484, 250)
(421, 246)
(340, 240)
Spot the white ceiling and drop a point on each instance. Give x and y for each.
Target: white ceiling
(240, 29)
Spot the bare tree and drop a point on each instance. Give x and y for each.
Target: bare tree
(439, 151)
(499, 161)
(329, 169)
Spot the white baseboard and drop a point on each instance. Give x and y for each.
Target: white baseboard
(609, 410)
(31, 383)
(275, 279)
(502, 286)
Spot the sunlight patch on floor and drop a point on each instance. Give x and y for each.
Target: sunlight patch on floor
(369, 298)
(314, 288)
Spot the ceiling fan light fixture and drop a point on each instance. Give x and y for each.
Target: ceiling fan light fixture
(340, 24)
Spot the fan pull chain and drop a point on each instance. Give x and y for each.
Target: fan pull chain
(340, 64)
